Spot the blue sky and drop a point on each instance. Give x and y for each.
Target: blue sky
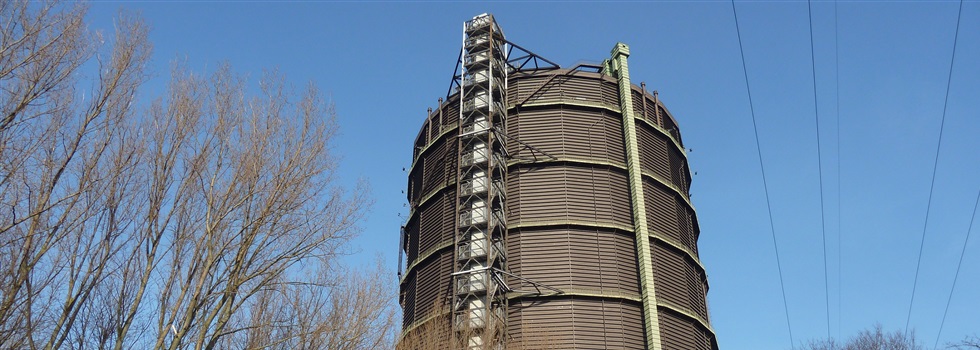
(384, 63)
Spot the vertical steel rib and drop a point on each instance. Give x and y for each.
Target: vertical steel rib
(644, 256)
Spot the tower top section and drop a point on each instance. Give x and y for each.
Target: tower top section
(481, 31)
(620, 49)
(482, 21)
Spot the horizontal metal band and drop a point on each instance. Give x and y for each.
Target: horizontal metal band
(619, 296)
(659, 236)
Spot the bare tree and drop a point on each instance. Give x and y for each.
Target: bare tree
(255, 204)
(970, 342)
(63, 158)
(870, 339)
(432, 331)
(352, 312)
(209, 219)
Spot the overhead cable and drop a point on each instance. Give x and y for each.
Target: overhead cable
(840, 235)
(762, 167)
(958, 265)
(816, 118)
(935, 165)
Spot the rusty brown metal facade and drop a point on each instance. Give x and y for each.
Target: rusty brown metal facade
(570, 249)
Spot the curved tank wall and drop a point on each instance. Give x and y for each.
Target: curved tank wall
(570, 245)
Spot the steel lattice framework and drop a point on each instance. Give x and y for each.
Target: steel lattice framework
(479, 305)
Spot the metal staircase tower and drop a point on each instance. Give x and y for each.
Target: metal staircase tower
(479, 303)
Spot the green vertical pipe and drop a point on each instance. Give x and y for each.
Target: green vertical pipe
(643, 253)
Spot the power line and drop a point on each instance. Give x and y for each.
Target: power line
(816, 117)
(969, 229)
(958, 265)
(935, 165)
(765, 184)
(840, 236)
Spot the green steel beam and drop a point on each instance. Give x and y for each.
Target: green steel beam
(442, 312)
(677, 309)
(617, 66)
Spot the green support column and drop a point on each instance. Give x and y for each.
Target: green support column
(618, 67)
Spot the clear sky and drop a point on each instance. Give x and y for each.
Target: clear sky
(384, 63)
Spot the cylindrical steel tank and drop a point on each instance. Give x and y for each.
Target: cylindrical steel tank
(571, 246)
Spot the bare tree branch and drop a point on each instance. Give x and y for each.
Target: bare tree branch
(208, 219)
(870, 339)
